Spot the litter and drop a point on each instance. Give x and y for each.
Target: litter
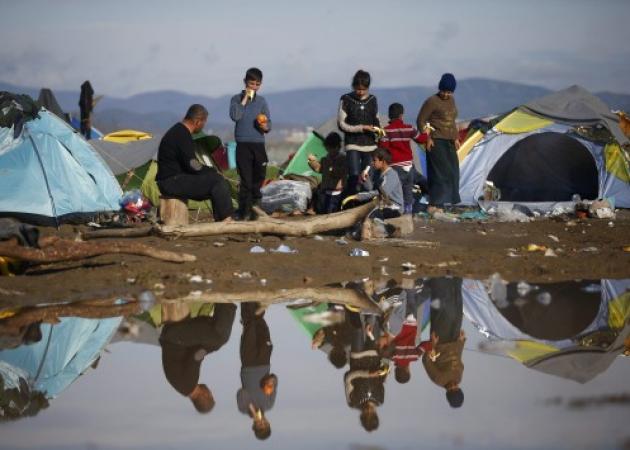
(553, 238)
(601, 209)
(131, 280)
(550, 252)
(243, 275)
(588, 249)
(341, 241)
(317, 237)
(218, 244)
(408, 266)
(359, 252)
(196, 279)
(383, 259)
(159, 286)
(535, 248)
(282, 248)
(257, 249)
(263, 281)
(286, 196)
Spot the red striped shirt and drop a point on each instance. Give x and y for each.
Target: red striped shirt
(397, 140)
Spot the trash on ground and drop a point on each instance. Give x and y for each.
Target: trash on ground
(408, 266)
(535, 248)
(263, 281)
(341, 241)
(282, 248)
(242, 275)
(588, 249)
(359, 252)
(550, 252)
(553, 238)
(257, 249)
(159, 286)
(317, 237)
(196, 279)
(601, 209)
(383, 259)
(218, 244)
(131, 280)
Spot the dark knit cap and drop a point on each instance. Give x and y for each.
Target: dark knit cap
(455, 398)
(447, 83)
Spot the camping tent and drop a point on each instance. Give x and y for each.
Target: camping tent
(49, 174)
(121, 157)
(548, 150)
(554, 327)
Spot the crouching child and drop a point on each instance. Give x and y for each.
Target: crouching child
(334, 172)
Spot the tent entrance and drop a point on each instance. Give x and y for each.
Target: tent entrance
(546, 167)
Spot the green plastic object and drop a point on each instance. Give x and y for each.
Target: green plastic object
(299, 163)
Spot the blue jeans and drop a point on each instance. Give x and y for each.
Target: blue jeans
(357, 162)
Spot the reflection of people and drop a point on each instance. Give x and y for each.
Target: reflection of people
(437, 118)
(364, 382)
(86, 105)
(184, 346)
(181, 175)
(335, 339)
(250, 113)
(443, 363)
(259, 385)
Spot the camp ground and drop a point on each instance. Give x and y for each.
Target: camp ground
(574, 330)
(547, 151)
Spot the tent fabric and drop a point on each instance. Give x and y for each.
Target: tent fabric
(49, 174)
(521, 122)
(576, 106)
(48, 100)
(66, 350)
(76, 124)
(126, 136)
(123, 157)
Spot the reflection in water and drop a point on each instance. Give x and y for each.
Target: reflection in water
(48, 361)
(574, 330)
(186, 343)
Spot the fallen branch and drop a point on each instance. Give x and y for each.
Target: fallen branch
(344, 296)
(117, 233)
(57, 250)
(268, 225)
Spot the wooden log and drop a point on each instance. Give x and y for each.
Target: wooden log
(56, 250)
(268, 225)
(173, 211)
(116, 232)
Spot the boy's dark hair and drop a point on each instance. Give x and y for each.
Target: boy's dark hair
(369, 419)
(403, 374)
(333, 141)
(196, 111)
(337, 357)
(361, 79)
(455, 397)
(395, 111)
(262, 429)
(382, 154)
(254, 74)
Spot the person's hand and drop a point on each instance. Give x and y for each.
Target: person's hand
(430, 144)
(311, 157)
(457, 144)
(264, 127)
(364, 176)
(368, 128)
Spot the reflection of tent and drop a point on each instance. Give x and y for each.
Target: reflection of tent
(537, 153)
(50, 174)
(66, 350)
(552, 342)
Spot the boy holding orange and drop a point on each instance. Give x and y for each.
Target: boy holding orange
(252, 120)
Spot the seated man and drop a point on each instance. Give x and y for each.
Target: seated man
(180, 174)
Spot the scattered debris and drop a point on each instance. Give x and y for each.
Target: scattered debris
(550, 252)
(553, 238)
(341, 241)
(158, 286)
(535, 248)
(383, 259)
(218, 244)
(408, 266)
(359, 252)
(263, 281)
(243, 275)
(196, 279)
(317, 237)
(131, 280)
(257, 249)
(282, 248)
(588, 249)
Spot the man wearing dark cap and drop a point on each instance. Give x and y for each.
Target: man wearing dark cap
(437, 119)
(443, 363)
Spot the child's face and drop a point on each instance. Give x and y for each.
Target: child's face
(378, 164)
(252, 85)
(332, 150)
(361, 91)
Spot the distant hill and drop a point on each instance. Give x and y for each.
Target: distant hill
(156, 111)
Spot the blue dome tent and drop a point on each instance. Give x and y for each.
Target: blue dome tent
(48, 173)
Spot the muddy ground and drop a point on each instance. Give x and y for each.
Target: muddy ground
(585, 249)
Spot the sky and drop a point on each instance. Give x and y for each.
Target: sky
(204, 47)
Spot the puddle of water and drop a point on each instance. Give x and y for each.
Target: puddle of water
(538, 365)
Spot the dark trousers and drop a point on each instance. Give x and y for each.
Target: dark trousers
(86, 125)
(443, 173)
(446, 319)
(208, 184)
(251, 164)
(357, 162)
(406, 181)
(326, 203)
